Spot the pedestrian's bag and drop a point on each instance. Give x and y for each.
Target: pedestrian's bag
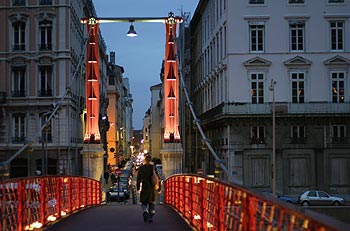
(155, 179)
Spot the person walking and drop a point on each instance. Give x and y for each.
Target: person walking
(148, 192)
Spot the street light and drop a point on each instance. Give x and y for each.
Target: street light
(273, 172)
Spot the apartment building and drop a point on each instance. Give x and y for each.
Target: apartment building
(270, 83)
(42, 65)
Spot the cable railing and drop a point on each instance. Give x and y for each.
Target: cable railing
(209, 204)
(34, 202)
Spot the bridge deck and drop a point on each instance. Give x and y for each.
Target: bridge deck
(122, 217)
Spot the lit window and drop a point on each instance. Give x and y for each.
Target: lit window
(257, 88)
(338, 85)
(298, 87)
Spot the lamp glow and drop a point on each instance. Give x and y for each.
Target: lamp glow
(131, 32)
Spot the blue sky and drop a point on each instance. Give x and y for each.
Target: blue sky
(140, 56)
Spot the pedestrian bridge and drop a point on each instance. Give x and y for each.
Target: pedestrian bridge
(191, 202)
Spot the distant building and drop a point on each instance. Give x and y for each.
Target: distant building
(119, 113)
(156, 119)
(147, 126)
(245, 52)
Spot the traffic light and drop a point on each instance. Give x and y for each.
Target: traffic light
(115, 155)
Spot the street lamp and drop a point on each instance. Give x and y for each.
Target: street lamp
(273, 172)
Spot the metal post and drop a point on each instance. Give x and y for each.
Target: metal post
(43, 162)
(273, 173)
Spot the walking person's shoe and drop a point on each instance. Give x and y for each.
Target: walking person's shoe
(145, 216)
(150, 218)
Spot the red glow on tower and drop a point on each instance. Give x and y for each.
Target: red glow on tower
(171, 86)
(92, 83)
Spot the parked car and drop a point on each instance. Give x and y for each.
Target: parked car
(119, 194)
(317, 197)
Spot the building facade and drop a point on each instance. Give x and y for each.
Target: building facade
(42, 64)
(270, 83)
(119, 112)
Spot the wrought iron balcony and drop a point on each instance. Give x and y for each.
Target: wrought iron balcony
(18, 139)
(20, 93)
(45, 46)
(2, 97)
(249, 109)
(44, 93)
(18, 47)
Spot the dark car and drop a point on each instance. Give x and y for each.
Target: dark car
(118, 194)
(317, 197)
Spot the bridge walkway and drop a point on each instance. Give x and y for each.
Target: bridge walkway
(120, 216)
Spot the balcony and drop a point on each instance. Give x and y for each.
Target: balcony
(18, 140)
(18, 47)
(45, 93)
(2, 97)
(45, 46)
(18, 2)
(45, 2)
(20, 93)
(340, 140)
(249, 109)
(298, 140)
(257, 140)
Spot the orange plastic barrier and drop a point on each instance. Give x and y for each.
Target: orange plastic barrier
(209, 204)
(32, 203)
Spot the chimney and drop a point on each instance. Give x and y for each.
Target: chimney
(112, 57)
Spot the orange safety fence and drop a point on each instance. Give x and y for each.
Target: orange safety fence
(34, 202)
(209, 204)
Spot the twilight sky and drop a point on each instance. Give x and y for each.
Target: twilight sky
(140, 56)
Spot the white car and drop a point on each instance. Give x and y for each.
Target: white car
(316, 197)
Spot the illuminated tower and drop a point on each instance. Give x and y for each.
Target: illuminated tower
(171, 84)
(171, 152)
(92, 150)
(92, 82)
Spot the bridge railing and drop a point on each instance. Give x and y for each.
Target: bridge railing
(209, 204)
(31, 203)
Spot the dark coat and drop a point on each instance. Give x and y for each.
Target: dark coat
(144, 176)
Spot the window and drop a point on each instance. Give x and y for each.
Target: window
(256, 37)
(338, 131)
(338, 134)
(297, 133)
(45, 2)
(297, 36)
(18, 128)
(337, 35)
(19, 36)
(256, 1)
(45, 35)
(298, 86)
(257, 88)
(258, 135)
(18, 82)
(45, 81)
(18, 2)
(296, 1)
(338, 87)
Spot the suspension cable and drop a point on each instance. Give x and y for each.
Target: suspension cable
(197, 122)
